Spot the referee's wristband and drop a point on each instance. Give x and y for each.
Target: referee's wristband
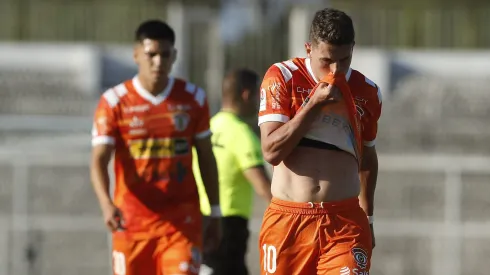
(370, 219)
(215, 211)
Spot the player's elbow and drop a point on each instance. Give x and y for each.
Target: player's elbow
(272, 157)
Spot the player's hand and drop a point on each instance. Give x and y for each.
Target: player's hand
(212, 235)
(326, 94)
(112, 217)
(372, 235)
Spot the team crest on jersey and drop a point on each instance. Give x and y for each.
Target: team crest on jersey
(359, 102)
(181, 121)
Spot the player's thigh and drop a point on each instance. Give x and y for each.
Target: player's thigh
(287, 244)
(182, 255)
(352, 250)
(133, 257)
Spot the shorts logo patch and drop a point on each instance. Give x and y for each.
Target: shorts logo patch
(360, 256)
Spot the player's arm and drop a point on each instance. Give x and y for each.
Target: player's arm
(103, 141)
(101, 156)
(209, 170)
(279, 133)
(369, 162)
(369, 176)
(205, 156)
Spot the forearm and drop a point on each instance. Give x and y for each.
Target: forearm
(260, 182)
(209, 175)
(280, 143)
(101, 182)
(369, 176)
(265, 193)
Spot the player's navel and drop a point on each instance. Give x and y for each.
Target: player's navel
(316, 189)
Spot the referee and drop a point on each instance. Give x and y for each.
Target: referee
(240, 169)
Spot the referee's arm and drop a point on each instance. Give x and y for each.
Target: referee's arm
(251, 161)
(260, 181)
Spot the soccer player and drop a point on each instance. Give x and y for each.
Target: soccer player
(151, 123)
(318, 122)
(240, 169)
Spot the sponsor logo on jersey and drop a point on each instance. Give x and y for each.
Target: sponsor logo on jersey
(136, 109)
(158, 148)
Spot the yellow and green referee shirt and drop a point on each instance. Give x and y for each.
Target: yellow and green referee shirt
(236, 148)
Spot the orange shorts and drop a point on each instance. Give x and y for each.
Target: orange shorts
(178, 253)
(308, 239)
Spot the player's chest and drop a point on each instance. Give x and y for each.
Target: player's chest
(147, 120)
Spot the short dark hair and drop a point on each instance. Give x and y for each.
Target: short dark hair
(333, 27)
(155, 30)
(237, 80)
(245, 79)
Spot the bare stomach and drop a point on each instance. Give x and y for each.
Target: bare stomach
(316, 175)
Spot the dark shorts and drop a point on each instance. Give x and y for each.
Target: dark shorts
(230, 256)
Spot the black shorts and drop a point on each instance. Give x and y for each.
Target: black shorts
(230, 256)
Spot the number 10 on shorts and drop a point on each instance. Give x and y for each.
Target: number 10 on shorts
(270, 258)
(118, 263)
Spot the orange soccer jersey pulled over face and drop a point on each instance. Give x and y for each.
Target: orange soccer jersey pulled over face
(286, 86)
(153, 137)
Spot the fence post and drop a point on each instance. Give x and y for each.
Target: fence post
(20, 219)
(447, 244)
(176, 19)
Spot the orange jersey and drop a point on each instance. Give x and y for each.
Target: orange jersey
(287, 84)
(153, 137)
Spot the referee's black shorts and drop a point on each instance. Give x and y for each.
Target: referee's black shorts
(229, 259)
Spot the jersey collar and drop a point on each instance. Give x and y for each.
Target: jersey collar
(155, 100)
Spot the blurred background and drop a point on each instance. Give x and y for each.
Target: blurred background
(430, 58)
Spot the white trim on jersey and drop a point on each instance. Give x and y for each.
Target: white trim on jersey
(370, 143)
(121, 90)
(103, 140)
(291, 65)
(347, 75)
(273, 118)
(203, 134)
(113, 95)
(155, 100)
(111, 98)
(286, 73)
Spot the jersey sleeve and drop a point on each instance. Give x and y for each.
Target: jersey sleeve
(275, 99)
(203, 116)
(104, 127)
(247, 150)
(370, 125)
